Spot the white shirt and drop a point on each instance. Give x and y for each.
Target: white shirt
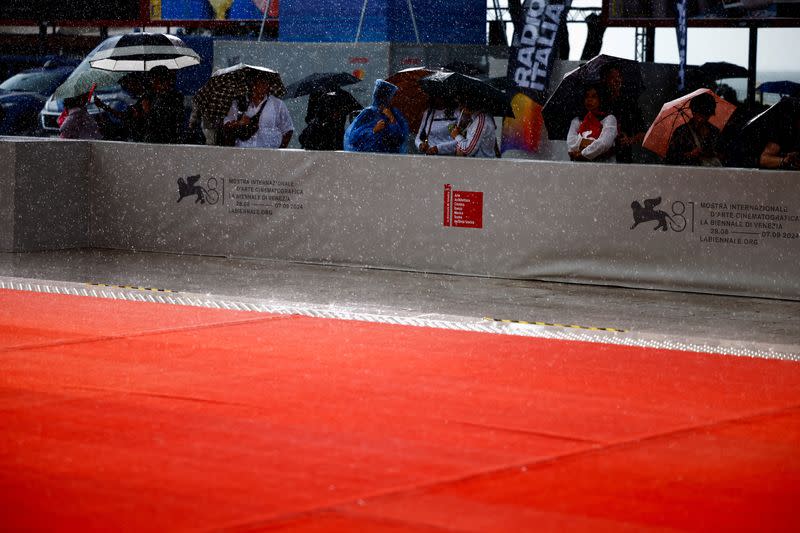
(600, 145)
(480, 139)
(438, 131)
(274, 123)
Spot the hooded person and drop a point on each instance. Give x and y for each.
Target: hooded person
(379, 127)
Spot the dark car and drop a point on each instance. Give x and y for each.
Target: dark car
(23, 95)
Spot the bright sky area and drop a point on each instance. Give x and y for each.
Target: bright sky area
(777, 47)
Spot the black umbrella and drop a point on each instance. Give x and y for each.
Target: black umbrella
(720, 70)
(320, 82)
(462, 67)
(140, 52)
(775, 117)
(566, 102)
(773, 124)
(780, 87)
(480, 94)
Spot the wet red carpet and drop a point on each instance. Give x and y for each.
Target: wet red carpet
(145, 417)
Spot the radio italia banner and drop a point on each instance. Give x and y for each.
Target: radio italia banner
(681, 29)
(530, 63)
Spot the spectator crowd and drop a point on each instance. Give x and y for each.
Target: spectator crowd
(607, 126)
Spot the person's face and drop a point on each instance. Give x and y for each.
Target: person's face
(614, 81)
(261, 88)
(591, 100)
(160, 84)
(700, 118)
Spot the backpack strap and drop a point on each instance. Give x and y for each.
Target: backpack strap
(257, 116)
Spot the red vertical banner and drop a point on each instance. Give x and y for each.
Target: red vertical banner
(467, 209)
(448, 203)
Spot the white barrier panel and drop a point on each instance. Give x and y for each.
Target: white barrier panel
(731, 231)
(43, 194)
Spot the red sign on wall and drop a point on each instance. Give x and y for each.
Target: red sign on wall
(463, 209)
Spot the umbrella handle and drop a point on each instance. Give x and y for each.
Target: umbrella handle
(91, 92)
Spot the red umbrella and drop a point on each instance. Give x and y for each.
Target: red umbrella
(676, 113)
(410, 99)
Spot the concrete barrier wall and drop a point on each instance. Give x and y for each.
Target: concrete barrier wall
(724, 230)
(44, 194)
(729, 231)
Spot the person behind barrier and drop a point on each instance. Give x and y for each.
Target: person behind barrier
(625, 108)
(695, 143)
(475, 132)
(133, 116)
(163, 108)
(262, 122)
(782, 151)
(379, 127)
(592, 137)
(78, 124)
(433, 137)
(326, 117)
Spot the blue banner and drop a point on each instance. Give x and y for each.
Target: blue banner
(680, 28)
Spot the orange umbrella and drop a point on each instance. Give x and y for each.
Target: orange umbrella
(676, 113)
(410, 99)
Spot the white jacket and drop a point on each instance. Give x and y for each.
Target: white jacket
(480, 138)
(599, 146)
(438, 131)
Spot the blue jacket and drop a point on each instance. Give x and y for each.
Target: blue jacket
(391, 139)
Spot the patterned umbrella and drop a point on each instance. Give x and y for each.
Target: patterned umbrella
(214, 99)
(140, 52)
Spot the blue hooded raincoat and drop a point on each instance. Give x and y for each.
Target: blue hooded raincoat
(359, 136)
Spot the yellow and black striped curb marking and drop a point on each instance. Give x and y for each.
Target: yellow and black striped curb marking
(132, 287)
(487, 325)
(572, 326)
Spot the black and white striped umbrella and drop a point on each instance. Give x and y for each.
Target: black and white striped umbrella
(140, 52)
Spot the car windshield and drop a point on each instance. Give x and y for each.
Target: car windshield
(42, 82)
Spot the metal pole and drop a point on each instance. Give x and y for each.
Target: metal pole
(42, 41)
(650, 45)
(752, 54)
(413, 20)
(361, 20)
(264, 18)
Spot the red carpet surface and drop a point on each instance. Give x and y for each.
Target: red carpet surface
(124, 416)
